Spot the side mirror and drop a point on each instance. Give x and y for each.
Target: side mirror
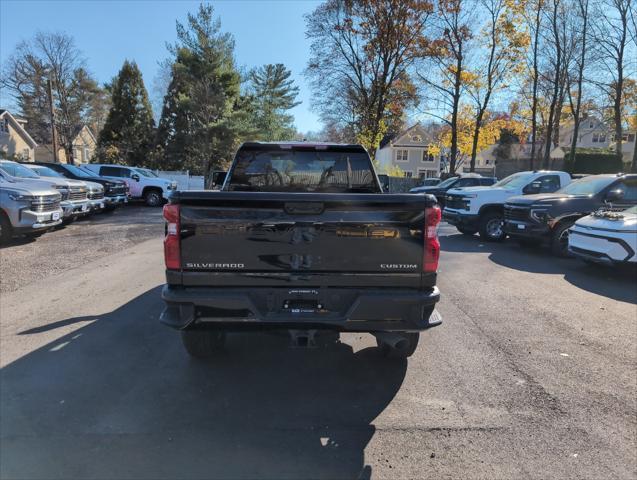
(531, 188)
(614, 195)
(135, 177)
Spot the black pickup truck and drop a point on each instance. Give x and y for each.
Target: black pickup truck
(301, 238)
(548, 217)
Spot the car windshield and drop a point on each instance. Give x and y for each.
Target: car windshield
(17, 170)
(447, 182)
(78, 171)
(516, 180)
(587, 186)
(283, 170)
(46, 172)
(429, 182)
(146, 173)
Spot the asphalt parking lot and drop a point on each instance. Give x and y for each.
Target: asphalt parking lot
(533, 374)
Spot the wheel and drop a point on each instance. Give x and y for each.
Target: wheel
(6, 230)
(202, 343)
(559, 241)
(491, 227)
(153, 198)
(404, 348)
(467, 230)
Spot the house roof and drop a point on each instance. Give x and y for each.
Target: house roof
(79, 129)
(18, 127)
(394, 140)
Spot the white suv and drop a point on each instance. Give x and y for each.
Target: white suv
(481, 209)
(143, 183)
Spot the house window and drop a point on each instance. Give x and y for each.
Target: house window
(595, 137)
(602, 138)
(427, 157)
(4, 126)
(487, 161)
(25, 154)
(408, 174)
(416, 138)
(402, 155)
(631, 137)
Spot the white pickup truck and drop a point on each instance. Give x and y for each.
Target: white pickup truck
(481, 209)
(143, 183)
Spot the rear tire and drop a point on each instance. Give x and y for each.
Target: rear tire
(404, 349)
(203, 343)
(559, 241)
(153, 198)
(492, 227)
(6, 230)
(467, 231)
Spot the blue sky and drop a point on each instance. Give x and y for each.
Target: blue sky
(110, 31)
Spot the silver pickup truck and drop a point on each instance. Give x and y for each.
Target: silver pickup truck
(74, 192)
(28, 208)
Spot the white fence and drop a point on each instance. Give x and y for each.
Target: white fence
(184, 180)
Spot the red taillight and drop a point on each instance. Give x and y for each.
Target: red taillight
(172, 240)
(433, 216)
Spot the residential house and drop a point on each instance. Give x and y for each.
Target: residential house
(594, 133)
(409, 150)
(84, 145)
(15, 141)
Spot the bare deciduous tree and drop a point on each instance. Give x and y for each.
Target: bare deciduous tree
(361, 52)
(51, 56)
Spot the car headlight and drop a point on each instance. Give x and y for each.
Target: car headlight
(539, 214)
(21, 197)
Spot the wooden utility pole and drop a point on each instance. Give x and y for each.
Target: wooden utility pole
(52, 113)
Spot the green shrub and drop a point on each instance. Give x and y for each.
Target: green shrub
(593, 161)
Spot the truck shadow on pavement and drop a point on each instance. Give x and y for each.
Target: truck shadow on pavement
(119, 398)
(614, 283)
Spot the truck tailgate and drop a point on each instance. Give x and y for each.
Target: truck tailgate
(269, 239)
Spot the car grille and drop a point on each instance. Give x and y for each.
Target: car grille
(96, 196)
(513, 212)
(118, 190)
(456, 202)
(77, 194)
(46, 203)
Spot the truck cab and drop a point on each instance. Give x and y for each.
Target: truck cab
(481, 209)
(27, 208)
(142, 182)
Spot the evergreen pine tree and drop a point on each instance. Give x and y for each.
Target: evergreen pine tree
(274, 94)
(201, 119)
(128, 132)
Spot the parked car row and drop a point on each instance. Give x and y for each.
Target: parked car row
(592, 217)
(38, 196)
